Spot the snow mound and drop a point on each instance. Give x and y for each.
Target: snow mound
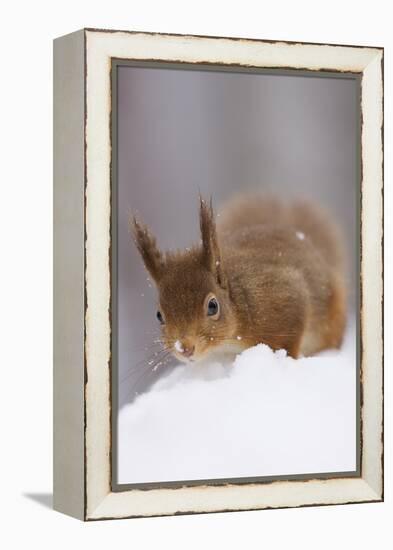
(264, 415)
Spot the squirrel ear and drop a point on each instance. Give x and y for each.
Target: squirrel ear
(210, 248)
(147, 246)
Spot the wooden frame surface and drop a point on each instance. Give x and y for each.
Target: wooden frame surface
(82, 381)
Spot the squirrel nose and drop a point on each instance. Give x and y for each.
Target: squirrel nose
(184, 348)
(188, 351)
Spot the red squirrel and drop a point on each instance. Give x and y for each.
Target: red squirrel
(265, 272)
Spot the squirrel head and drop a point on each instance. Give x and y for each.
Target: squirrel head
(194, 309)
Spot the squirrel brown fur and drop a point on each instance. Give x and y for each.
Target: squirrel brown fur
(265, 272)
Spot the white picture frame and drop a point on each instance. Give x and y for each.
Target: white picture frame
(82, 240)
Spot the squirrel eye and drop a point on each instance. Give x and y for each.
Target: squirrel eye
(160, 317)
(212, 307)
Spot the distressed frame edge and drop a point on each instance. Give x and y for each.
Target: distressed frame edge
(374, 491)
(372, 270)
(235, 38)
(362, 493)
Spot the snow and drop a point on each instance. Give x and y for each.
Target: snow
(178, 347)
(266, 414)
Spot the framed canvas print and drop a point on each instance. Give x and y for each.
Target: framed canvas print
(218, 274)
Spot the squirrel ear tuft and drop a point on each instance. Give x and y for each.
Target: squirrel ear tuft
(147, 246)
(210, 249)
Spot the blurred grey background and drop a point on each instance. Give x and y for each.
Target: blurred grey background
(184, 131)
